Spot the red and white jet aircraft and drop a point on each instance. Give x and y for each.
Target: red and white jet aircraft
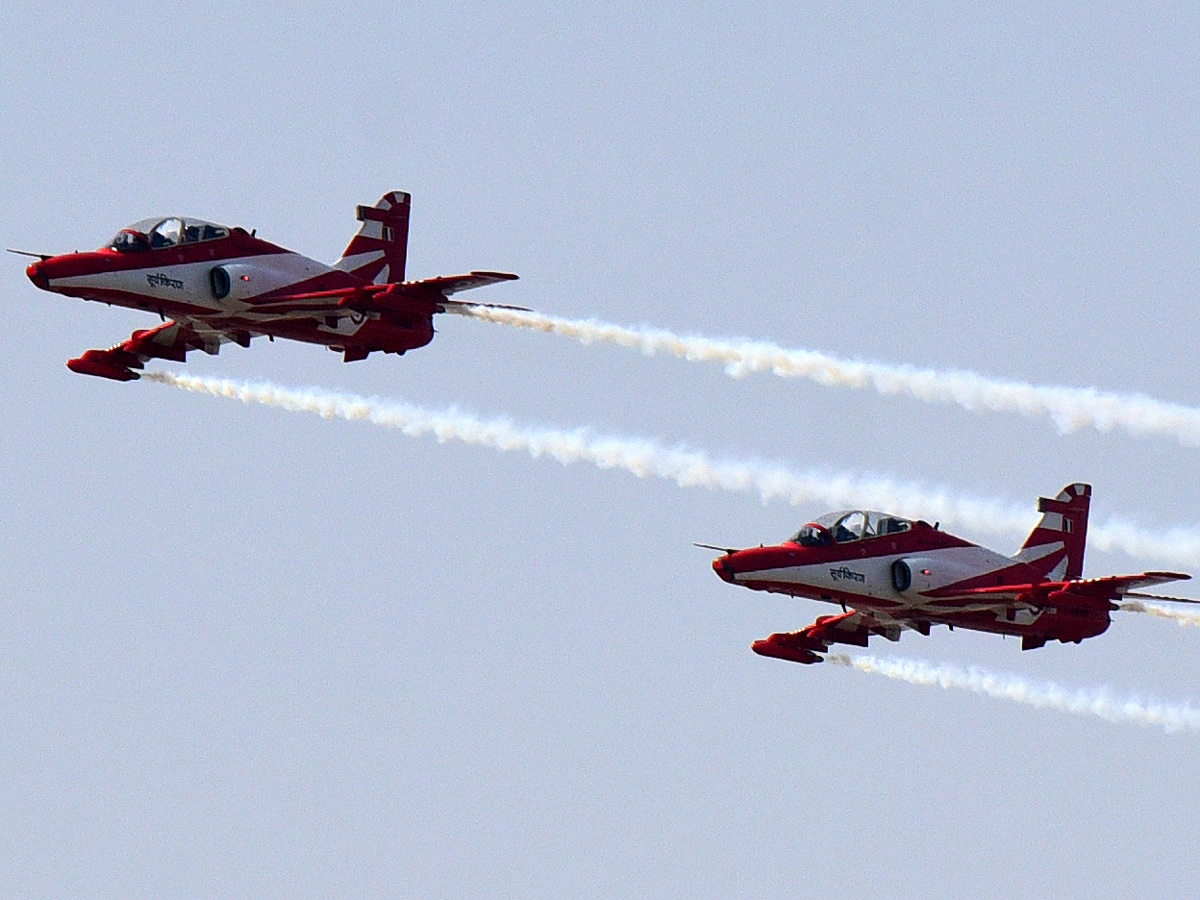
(221, 284)
(889, 574)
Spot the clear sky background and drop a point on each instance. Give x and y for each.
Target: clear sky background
(248, 653)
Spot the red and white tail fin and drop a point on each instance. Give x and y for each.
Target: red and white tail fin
(380, 249)
(1056, 545)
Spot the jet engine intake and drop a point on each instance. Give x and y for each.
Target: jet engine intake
(912, 576)
(238, 281)
(219, 282)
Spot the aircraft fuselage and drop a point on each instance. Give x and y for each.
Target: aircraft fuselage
(923, 575)
(229, 283)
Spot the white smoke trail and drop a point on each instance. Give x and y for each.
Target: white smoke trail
(1171, 717)
(1183, 617)
(1068, 408)
(687, 468)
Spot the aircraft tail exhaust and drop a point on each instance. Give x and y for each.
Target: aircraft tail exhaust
(378, 253)
(1056, 544)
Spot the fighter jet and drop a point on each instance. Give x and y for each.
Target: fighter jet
(889, 574)
(212, 284)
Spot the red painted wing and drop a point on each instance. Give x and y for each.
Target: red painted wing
(423, 297)
(172, 340)
(851, 627)
(452, 284)
(1114, 586)
(1109, 587)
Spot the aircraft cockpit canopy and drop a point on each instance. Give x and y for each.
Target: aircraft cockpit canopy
(846, 526)
(154, 234)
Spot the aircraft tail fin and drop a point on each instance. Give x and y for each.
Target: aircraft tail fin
(379, 251)
(1056, 545)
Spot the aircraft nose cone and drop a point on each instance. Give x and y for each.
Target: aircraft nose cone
(723, 569)
(37, 275)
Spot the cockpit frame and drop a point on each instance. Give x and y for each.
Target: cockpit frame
(163, 232)
(847, 526)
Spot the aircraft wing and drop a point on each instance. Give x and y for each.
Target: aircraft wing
(1108, 588)
(1115, 586)
(171, 340)
(452, 284)
(852, 627)
(426, 297)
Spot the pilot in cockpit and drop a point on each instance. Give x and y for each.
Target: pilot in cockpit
(846, 527)
(158, 234)
(812, 535)
(129, 241)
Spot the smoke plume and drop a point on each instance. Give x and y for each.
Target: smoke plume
(1171, 717)
(688, 468)
(1182, 616)
(1069, 408)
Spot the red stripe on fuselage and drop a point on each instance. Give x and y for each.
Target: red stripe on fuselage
(921, 538)
(237, 245)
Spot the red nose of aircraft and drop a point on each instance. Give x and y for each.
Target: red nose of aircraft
(37, 275)
(722, 567)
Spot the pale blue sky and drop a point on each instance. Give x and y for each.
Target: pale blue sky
(245, 653)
